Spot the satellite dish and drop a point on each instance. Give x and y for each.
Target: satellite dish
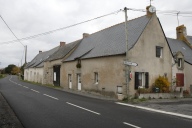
(152, 9)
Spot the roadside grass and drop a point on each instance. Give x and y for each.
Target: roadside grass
(2, 76)
(39, 84)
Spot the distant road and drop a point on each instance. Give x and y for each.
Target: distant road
(42, 107)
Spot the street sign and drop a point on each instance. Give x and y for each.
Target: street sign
(130, 63)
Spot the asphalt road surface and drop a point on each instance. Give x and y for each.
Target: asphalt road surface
(42, 107)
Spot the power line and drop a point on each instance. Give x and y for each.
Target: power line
(59, 29)
(11, 30)
(165, 12)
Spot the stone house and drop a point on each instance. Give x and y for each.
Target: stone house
(33, 71)
(182, 62)
(52, 65)
(97, 64)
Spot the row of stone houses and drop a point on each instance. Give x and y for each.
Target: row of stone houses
(96, 62)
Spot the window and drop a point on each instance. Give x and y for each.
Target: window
(159, 51)
(180, 64)
(96, 78)
(141, 80)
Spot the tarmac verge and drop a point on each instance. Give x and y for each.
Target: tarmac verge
(8, 119)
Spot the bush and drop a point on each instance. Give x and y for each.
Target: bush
(162, 83)
(1, 75)
(186, 93)
(78, 65)
(143, 90)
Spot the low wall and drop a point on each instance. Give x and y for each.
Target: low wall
(161, 95)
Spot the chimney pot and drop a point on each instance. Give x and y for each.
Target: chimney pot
(62, 44)
(40, 51)
(150, 10)
(85, 35)
(182, 34)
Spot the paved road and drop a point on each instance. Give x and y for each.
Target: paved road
(41, 107)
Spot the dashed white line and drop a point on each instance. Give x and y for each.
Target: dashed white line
(25, 87)
(19, 84)
(131, 125)
(51, 96)
(83, 108)
(35, 91)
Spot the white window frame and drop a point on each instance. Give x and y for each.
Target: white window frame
(142, 78)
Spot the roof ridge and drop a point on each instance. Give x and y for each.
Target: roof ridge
(115, 25)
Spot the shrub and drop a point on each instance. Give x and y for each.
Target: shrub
(162, 83)
(143, 90)
(78, 65)
(186, 93)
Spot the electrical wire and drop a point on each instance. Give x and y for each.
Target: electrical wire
(11, 31)
(165, 12)
(59, 29)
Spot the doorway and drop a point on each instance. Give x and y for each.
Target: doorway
(56, 75)
(69, 81)
(79, 82)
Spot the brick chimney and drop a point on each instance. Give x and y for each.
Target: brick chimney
(62, 44)
(181, 32)
(40, 51)
(150, 10)
(85, 35)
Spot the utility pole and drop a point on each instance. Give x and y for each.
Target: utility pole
(127, 73)
(25, 54)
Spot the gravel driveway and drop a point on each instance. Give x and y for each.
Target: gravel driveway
(182, 105)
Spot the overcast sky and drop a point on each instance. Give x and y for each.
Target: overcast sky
(31, 17)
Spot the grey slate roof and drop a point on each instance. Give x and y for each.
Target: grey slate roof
(177, 45)
(110, 41)
(63, 51)
(40, 58)
(189, 38)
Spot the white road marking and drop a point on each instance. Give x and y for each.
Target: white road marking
(51, 96)
(35, 91)
(154, 110)
(19, 84)
(25, 87)
(83, 108)
(131, 125)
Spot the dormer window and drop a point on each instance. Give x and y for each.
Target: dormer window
(179, 60)
(180, 63)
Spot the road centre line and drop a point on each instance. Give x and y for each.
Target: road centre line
(35, 91)
(25, 87)
(155, 110)
(51, 96)
(83, 108)
(131, 125)
(19, 84)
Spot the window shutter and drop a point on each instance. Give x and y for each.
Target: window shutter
(180, 79)
(146, 80)
(136, 80)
